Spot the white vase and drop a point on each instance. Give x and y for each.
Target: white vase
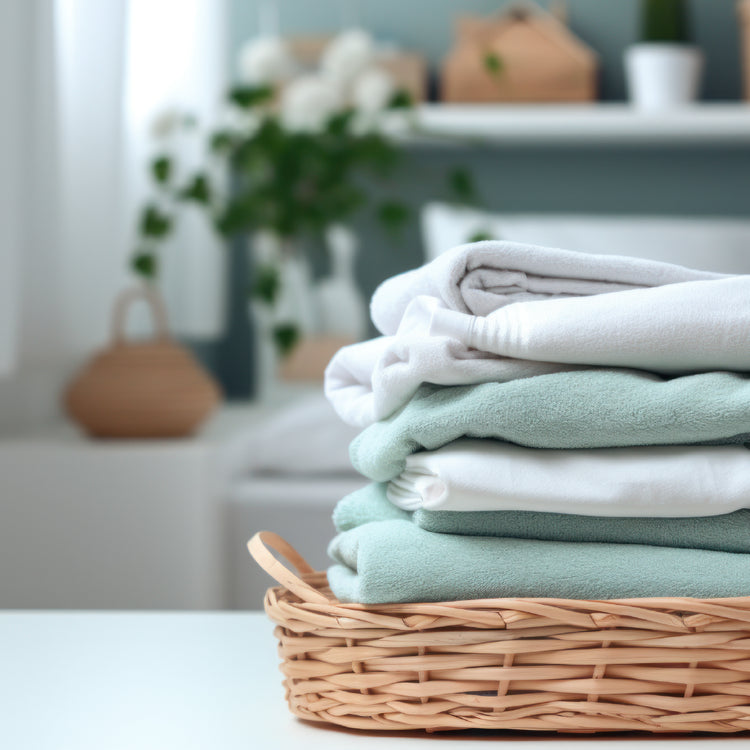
(662, 75)
(342, 310)
(265, 355)
(295, 303)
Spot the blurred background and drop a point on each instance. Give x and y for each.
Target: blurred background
(198, 197)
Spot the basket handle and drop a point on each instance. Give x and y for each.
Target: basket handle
(258, 548)
(155, 304)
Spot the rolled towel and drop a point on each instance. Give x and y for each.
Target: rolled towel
(396, 561)
(656, 481)
(484, 276)
(597, 408)
(695, 326)
(729, 532)
(369, 381)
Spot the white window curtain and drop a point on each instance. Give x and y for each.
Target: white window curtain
(32, 327)
(12, 86)
(176, 61)
(80, 82)
(94, 230)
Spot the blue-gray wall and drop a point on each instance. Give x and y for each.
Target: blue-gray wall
(427, 25)
(674, 180)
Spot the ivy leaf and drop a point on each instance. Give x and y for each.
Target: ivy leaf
(267, 284)
(480, 236)
(376, 153)
(145, 264)
(155, 223)
(401, 99)
(238, 216)
(461, 185)
(493, 64)
(221, 141)
(246, 97)
(339, 124)
(286, 336)
(393, 215)
(161, 169)
(198, 190)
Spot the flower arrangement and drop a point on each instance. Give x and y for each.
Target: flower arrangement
(289, 158)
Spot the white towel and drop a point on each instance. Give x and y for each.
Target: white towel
(668, 482)
(483, 276)
(695, 326)
(369, 381)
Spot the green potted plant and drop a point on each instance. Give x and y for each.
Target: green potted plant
(664, 69)
(292, 162)
(287, 168)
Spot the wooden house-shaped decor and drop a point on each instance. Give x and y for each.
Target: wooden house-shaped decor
(523, 55)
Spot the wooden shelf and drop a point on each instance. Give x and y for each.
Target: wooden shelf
(579, 124)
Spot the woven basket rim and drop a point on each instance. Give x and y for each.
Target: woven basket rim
(310, 587)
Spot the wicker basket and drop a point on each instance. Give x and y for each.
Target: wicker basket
(657, 665)
(146, 389)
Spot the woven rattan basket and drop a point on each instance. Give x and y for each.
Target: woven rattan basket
(657, 665)
(144, 389)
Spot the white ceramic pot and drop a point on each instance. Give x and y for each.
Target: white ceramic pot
(342, 311)
(663, 76)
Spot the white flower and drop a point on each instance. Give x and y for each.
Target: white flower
(240, 121)
(265, 60)
(347, 56)
(372, 91)
(307, 103)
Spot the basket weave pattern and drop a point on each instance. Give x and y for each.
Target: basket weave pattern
(659, 665)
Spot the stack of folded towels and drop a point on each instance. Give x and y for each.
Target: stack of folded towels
(545, 423)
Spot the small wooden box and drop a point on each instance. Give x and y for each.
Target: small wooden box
(539, 60)
(408, 69)
(743, 10)
(309, 358)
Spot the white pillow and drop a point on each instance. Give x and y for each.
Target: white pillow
(710, 244)
(303, 439)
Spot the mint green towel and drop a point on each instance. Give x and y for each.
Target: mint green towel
(396, 561)
(725, 533)
(366, 505)
(583, 409)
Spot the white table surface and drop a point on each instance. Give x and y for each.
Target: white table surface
(138, 681)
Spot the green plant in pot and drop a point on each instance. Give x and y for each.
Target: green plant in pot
(298, 154)
(289, 167)
(663, 69)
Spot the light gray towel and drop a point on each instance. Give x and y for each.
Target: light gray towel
(483, 276)
(696, 326)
